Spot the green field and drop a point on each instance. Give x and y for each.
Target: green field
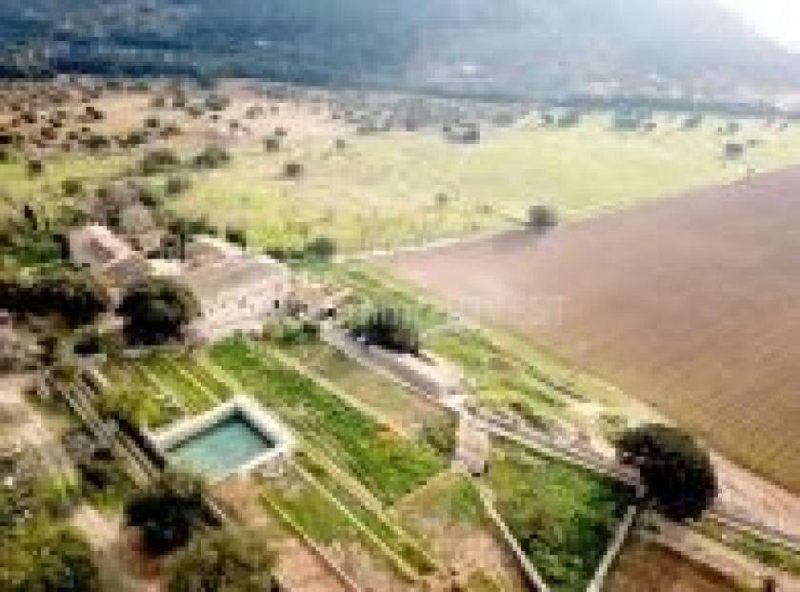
(382, 189)
(402, 408)
(563, 517)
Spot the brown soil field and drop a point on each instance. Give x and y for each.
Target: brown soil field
(690, 304)
(648, 567)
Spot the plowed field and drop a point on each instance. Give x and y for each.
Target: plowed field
(692, 304)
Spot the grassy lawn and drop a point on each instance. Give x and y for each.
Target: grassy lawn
(389, 534)
(193, 396)
(562, 516)
(400, 407)
(387, 464)
(318, 517)
(382, 190)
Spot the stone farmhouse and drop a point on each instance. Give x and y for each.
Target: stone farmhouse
(237, 291)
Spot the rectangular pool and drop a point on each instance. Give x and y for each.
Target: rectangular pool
(222, 448)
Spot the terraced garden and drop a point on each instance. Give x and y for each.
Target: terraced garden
(563, 517)
(406, 410)
(378, 500)
(386, 463)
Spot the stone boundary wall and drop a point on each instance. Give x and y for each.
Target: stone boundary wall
(531, 574)
(620, 536)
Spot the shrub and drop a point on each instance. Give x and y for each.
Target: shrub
(176, 184)
(224, 561)
(160, 160)
(390, 329)
(71, 187)
(292, 170)
(211, 157)
(168, 512)
(321, 248)
(542, 217)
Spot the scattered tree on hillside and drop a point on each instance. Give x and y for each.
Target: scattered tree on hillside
(168, 512)
(158, 161)
(211, 157)
(693, 121)
(292, 170)
(677, 473)
(71, 187)
(156, 311)
(542, 217)
(177, 184)
(734, 150)
(35, 167)
(322, 248)
(224, 561)
(272, 144)
(237, 236)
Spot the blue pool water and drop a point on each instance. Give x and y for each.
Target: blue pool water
(221, 449)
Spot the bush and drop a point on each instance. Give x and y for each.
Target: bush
(215, 102)
(211, 157)
(293, 170)
(237, 236)
(41, 556)
(390, 329)
(542, 217)
(168, 512)
(321, 248)
(272, 144)
(35, 167)
(734, 150)
(224, 561)
(177, 184)
(72, 187)
(160, 160)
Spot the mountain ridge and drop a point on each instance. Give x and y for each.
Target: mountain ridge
(518, 46)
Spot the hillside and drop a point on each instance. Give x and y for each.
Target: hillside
(611, 46)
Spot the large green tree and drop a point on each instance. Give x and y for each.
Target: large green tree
(168, 512)
(676, 471)
(75, 296)
(224, 561)
(156, 311)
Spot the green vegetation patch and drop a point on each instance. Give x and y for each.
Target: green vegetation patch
(766, 552)
(388, 533)
(562, 516)
(386, 463)
(377, 392)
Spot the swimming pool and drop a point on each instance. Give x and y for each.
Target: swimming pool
(237, 436)
(222, 448)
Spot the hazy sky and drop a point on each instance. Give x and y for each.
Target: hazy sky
(778, 19)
